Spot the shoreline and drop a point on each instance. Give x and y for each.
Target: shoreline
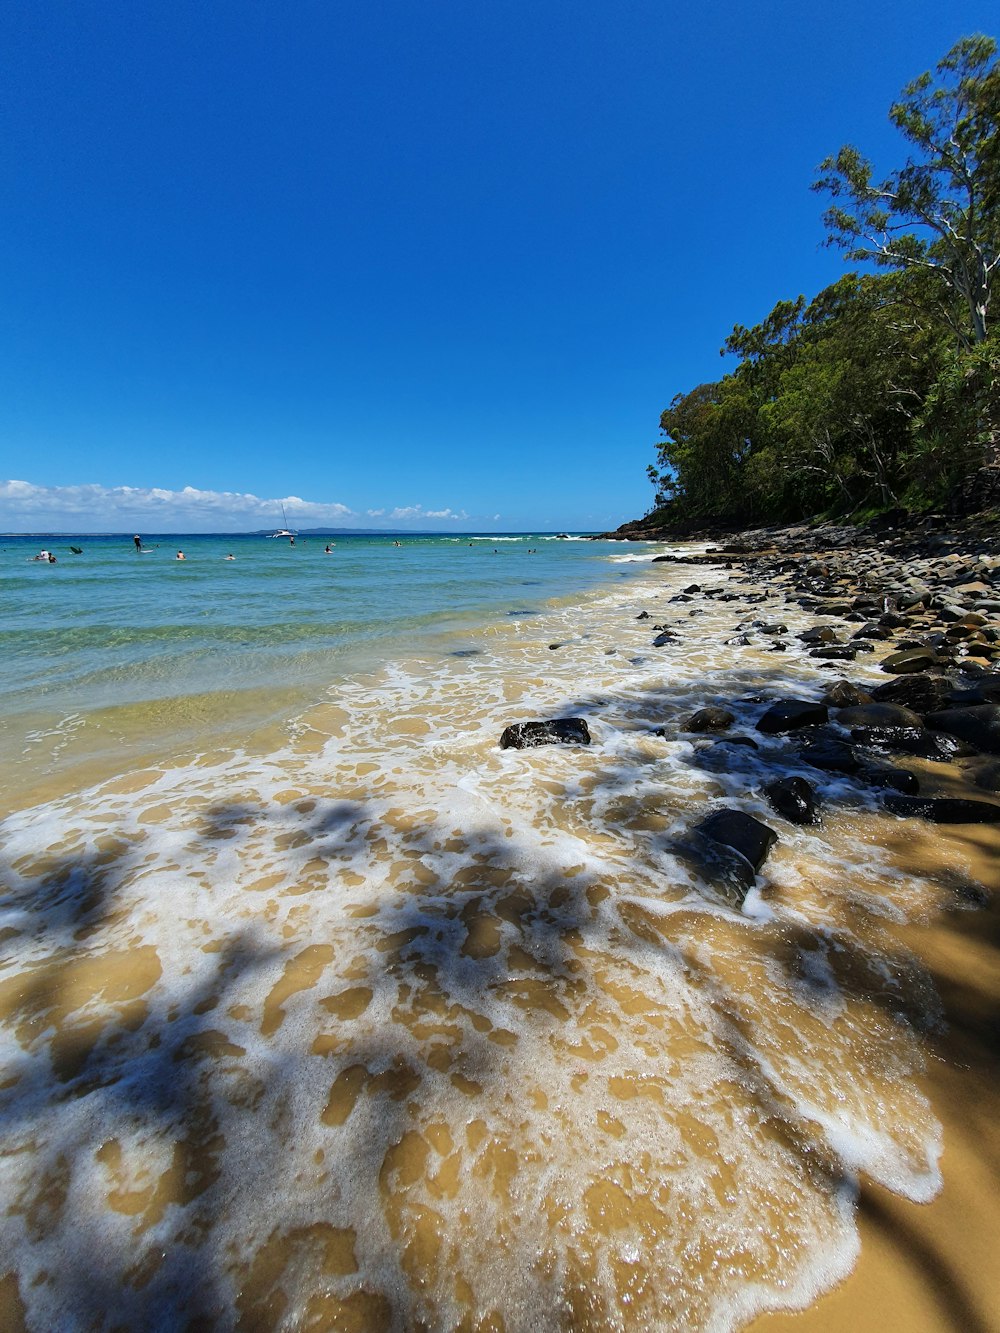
(925, 1267)
(930, 1268)
(349, 756)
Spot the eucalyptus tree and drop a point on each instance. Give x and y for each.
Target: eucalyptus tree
(940, 211)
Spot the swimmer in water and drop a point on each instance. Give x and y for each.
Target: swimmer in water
(229, 557)
(328, 549)
(180, 556)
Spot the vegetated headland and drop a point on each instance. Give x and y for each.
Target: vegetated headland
(849, 467)
(882, 391)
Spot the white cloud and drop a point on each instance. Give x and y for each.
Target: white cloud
(418, 511)
(94, 508)
(374, 513)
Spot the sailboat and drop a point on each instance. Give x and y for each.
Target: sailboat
(284, 530)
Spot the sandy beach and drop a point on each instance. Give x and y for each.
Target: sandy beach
(932, 1267)
(378, 1022)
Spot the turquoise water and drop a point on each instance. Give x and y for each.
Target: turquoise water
(313, 997)
(110, 627)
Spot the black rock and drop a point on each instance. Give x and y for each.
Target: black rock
(899, 779)
(819, 634)
(744, 834)
(836, 653)
(909, 660)
(559, 731)
(832, 756)
(909, 740)
(666, 637)
(723, 867)
(986, 692)
(988, 777)
(922, 693)
(790, 715)
(943, 809)
(879, 715)
(710, 719)
(794, 798)
(978, 725)
(872, 631)
(842, 694)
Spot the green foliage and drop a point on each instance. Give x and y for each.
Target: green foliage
(885, 386)
(941, 211)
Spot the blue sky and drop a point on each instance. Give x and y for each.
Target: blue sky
(432, 265)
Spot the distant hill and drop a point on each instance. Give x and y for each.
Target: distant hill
(351, 532)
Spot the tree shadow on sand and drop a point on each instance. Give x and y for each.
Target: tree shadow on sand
(471, 927)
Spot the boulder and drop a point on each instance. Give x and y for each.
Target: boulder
(978, 725)
(837, 652)
(842, 694)
(559, 731)
(793, 798)
(879, 715)
(988, 777)
(920, 692)
(710, 719)
(872, 631)
(909, 660)
(744, 834)
(790, 715)
(832, 756)
(943, 809)
(666, 637)
(726, 869)
(916, 741)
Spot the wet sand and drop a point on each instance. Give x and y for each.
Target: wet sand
(932, 1268)
(546, 1057)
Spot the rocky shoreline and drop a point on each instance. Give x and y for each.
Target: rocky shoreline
(920, 601)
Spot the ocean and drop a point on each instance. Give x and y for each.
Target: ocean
(319, 1010)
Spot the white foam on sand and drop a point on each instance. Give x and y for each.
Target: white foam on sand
(395, 1025)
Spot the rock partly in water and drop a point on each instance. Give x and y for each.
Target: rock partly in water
(879, 715)
(910, 660)
(712, 718)
(790, 715)
(746, 835)
(943, 809)
(920, 692)
(918, 742)
(558, 731)
(727, 849)
(842, 694)
(978, 725)
(793, 798)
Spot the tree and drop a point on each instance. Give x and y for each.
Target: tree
(941, 211)
(706, 447)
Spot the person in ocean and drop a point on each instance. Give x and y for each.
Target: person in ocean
(229, 557)
(180, 556)
(42, 556)
(328, 549)
(138, 543)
